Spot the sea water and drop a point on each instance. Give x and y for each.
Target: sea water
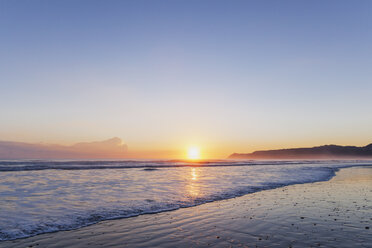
(46, 196)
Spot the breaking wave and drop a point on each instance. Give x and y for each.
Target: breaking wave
(65, 195)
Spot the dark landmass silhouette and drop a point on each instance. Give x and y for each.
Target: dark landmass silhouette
(111, 148)
(318, 152)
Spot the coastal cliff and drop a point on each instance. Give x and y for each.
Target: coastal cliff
(318, 152)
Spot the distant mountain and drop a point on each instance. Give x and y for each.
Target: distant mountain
(111, 148)
(318, 152)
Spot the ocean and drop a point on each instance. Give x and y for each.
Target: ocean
(47, 196)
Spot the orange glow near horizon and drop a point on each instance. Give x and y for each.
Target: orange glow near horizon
(193, 153)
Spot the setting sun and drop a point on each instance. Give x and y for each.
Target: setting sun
(193, 153)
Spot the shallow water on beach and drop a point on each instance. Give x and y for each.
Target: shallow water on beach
(44, 196)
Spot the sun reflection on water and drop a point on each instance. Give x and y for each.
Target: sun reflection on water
(193, 174)
(193, 185)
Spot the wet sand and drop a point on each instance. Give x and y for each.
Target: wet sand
(336, 213)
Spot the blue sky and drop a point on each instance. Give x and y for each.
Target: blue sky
(225, 75)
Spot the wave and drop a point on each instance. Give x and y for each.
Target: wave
(254, 177)
(34, 165)
(70, 222)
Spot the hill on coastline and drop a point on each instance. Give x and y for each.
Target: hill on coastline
(318, 152)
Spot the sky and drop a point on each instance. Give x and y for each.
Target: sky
(226, 76)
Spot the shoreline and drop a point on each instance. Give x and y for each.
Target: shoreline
(264, 218)
(332, 173)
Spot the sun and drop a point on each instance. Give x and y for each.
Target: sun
(193, 153)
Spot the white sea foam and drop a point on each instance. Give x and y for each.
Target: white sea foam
(46, 196)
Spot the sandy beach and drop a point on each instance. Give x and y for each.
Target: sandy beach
(335, 213)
